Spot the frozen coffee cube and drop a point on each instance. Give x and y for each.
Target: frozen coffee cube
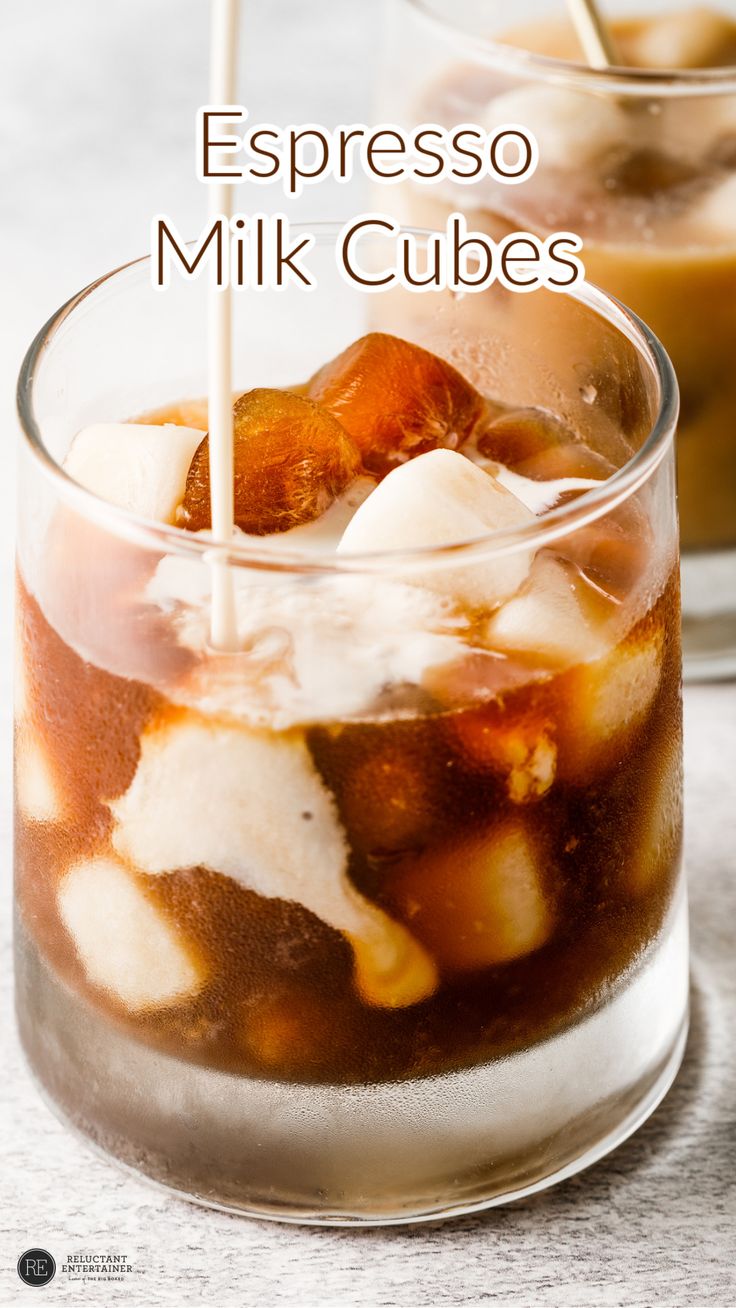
(604, 704)
(125, 942)
(691, 38)
(292, 459)
(138, 467)
(479, 902)
(714, 217)
(556, 616)
(437, 499)
(252, 806)
(38, 791)
(572, 128)
(538, 445)
(396, 399)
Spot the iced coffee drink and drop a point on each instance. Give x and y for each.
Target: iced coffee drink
(380, 914)
(641, 164)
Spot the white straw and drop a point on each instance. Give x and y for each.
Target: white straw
(223, 623)
(595, 38)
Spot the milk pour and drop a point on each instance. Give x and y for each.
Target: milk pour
(223, 622)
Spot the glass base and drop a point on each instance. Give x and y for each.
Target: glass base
(709, 615)
(365, 1154)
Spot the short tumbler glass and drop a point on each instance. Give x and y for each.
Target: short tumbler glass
(640, 162)
(368, 921)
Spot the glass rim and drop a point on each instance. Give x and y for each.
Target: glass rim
(619, 80)
(591, 505)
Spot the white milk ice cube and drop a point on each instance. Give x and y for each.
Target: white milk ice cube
(572, 128)
(439, 499)
(126, 944)
(714, 218)
(548, 617)
(137, 467)
(251, 805)
(691, 38)
(38, 791)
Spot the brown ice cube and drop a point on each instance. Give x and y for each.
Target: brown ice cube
(396, 399)
(292, 459)
(478, 902)
(538, 445)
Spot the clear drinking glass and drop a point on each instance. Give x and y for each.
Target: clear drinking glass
(642, 164)
(380, 917)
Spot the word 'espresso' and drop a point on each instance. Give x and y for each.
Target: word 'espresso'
(300, 156)
(372, 252)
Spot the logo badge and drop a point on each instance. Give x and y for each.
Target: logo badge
(36, 1267)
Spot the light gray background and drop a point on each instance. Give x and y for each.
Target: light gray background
(96, 110)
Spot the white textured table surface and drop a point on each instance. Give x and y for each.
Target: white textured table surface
(96, 106)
